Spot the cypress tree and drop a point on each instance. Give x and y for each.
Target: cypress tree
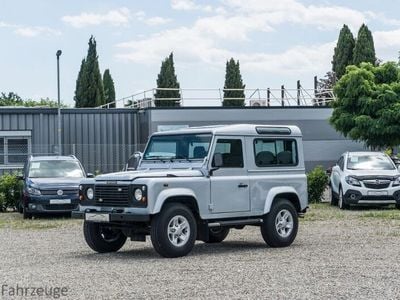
(233, 80)
(364, 50)
(89, 86)
(109, 89)
(343, 55)
(167, 79)
(79, 90)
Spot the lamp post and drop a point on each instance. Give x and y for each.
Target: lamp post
(58, 99)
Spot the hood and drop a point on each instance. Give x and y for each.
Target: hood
(131, 175)
(60, 182)
(372, 173)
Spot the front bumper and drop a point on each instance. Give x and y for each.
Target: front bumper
(113, 216)
(355, 197)
(43, 204)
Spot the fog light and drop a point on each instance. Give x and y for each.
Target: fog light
(352, 196)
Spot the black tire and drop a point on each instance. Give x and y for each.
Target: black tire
(342, 202)
(269, 230)
(25, 214)
(167, 225)
(20, 207)
(103, 239)
(334, 199)
(217, 235)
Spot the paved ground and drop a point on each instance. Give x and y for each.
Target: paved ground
(337, 255)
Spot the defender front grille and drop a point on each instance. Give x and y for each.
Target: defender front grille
(112, 195)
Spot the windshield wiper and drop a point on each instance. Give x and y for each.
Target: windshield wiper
(157, 157)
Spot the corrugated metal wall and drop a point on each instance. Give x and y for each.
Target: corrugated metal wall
(102, 139)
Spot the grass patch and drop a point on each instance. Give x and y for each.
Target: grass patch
(15, 221)
(388, 214)
(323, 212)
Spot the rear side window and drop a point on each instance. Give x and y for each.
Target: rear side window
(275, 152)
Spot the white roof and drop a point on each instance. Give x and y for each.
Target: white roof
(237, 129)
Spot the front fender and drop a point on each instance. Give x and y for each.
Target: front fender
(276, 191)
(168, 193)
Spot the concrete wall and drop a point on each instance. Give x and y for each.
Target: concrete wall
(322, 144)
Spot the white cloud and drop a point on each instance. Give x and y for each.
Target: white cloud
(189, 5)
(292, 11)
(117, 17)
(155, 21)
(36, 31)
(30, 31)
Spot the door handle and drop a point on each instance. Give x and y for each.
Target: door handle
(242, 185)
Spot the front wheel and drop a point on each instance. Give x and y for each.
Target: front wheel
(103, 239)
(342, 202)
(217, 235)
(280, 225)
(174, 231)
(25, 214)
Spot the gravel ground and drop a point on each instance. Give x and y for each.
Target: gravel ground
(337, 255)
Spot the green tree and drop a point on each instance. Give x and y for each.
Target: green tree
(89, 87)
(167, 79)
(367, 106)
(364, 49)
(10, 99)
(81, 82)
(343, 53)
(233, 80)
(109, 89)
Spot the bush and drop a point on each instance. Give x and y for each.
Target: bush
(3, 205)
(317, 181)
(10, 188)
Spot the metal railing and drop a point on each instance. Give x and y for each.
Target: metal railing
(215, 97)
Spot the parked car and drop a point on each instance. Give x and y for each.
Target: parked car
(51, 185)
(365, 178)
(196, 184)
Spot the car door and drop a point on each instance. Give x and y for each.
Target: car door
(230, 183)
(336, 174)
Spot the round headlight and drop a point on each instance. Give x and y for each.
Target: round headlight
(89, 193)
(138, 194)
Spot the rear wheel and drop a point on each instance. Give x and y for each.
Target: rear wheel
(280, 225)
(103, 239)
(174, 231)
(217, 235)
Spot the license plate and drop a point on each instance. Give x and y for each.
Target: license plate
(377, 193)
(60, 201)
(97, 217)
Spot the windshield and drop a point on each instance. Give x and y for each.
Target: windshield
(369, 162)
(54, 169)
(182, 146)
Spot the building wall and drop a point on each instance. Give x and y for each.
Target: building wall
(322, 144)
(103, 139)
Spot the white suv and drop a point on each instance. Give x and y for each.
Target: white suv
(365, 178)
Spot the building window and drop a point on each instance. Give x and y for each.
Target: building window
(15, 146)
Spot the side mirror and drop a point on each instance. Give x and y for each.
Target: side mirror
(329, 171)
(90, 175)
(217, 162)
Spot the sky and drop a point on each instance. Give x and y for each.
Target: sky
(277, 42)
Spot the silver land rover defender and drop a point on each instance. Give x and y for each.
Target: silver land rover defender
(198, 183)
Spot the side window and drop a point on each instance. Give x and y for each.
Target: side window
(341, 163)
(275, 152)
(232, 153)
